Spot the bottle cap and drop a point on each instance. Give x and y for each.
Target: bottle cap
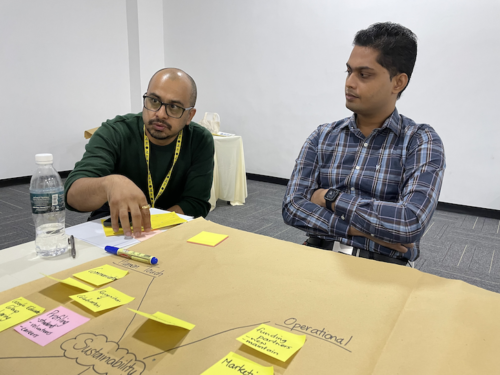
(44, 158)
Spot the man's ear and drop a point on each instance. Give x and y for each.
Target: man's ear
(192, 112)
(399, 82)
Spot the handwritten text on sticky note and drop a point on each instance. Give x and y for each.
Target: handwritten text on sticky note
(234, 364)
(274, 342)
(207, 238)
(102, 299)
(17, 311)
(166, 319)
(50, 326)
(101, 275)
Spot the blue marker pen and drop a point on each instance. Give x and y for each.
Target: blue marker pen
(131, 255)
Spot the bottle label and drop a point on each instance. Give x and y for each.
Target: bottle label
(42, 203)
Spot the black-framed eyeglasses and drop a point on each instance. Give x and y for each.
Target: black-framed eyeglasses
(173, 110)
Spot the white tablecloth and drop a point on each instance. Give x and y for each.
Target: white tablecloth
(230, 181)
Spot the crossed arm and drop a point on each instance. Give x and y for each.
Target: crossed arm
(390, 224)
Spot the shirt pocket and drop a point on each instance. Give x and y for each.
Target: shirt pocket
(383, 175)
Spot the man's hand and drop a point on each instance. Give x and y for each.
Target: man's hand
(123, 197)
(318, 197)
(402, 248)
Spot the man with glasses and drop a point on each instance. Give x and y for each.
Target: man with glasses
(368, 185)
(158, 158)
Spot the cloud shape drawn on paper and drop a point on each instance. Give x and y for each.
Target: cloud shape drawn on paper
(106, 357)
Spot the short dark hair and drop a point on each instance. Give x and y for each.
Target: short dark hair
(396, 44)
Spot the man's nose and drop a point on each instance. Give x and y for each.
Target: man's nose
(350, 81)
(162, 112)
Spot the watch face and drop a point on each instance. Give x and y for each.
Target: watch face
(330, 195)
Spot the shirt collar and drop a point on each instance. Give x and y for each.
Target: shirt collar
(393, 122)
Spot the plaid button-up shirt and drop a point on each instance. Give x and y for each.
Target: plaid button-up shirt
(390, 183)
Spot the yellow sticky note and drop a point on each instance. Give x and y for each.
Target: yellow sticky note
(108, 231)
(17, 311)
(72, 282)
(157, 221)
(274, 342)
(101, 275)
(207, 238)
(102, 299)
(166, 319)
(165, 220)
(233, 364)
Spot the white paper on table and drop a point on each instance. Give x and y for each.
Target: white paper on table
(93, 233)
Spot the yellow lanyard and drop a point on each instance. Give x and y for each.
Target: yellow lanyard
(165, 182)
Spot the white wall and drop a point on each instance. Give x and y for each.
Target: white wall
(275, 70)
(151, 43)
(146, 46)
(64, 70)
(67, 66)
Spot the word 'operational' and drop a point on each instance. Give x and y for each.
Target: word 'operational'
(314, 331)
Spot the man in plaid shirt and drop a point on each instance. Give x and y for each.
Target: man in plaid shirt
(368, 185)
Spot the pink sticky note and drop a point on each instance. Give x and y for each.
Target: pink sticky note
(147, 235)
(50, 326)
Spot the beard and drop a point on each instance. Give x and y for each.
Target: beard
(158, 134)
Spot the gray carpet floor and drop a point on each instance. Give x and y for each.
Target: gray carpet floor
(455, 246)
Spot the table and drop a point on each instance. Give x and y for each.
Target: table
(360, 316)
(230, 182)
(20, 264)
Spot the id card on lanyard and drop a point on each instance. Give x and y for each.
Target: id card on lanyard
(152, 197)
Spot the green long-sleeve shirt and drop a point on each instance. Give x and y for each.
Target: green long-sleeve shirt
(117, 147)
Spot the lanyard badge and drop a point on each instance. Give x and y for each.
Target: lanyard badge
(152, 197)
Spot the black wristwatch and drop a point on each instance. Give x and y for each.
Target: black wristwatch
(331, 196)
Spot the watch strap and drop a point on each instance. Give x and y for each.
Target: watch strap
(331, 196)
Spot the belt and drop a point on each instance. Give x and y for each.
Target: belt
(319, 243)
(357, 252)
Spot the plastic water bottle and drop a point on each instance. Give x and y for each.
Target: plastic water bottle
(47, 204)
